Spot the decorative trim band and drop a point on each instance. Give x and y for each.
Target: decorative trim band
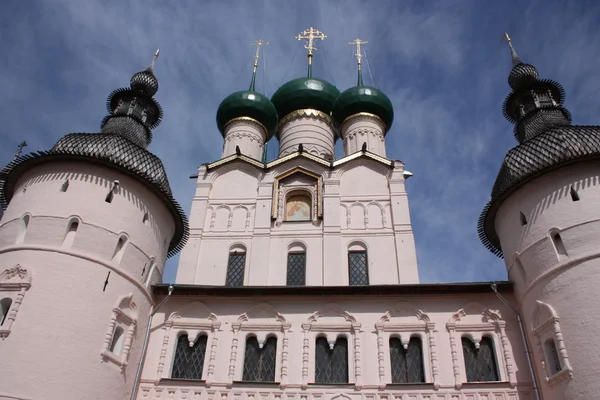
(306, 112)
(378, 120)
(247, 119)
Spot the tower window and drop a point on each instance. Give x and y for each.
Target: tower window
(71, 232)
(5, 304)
(558, 244)
(235, 268)
(64, 186)
(574, 194)
(407, 364)
(296, 269)
(331, 364)
(523, 219)
(189, 360)
(23, 229)
(117, 340)
(259, 363)
(298, 207)
(480, 364)
(358, 268)
(552, 357)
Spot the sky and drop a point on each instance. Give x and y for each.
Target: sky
(442, 64)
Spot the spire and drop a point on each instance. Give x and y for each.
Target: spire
(133, 113)
(151, 67)
(357, 42)
(513, 53)
(258, 43)
(312, 35)
(20, 149)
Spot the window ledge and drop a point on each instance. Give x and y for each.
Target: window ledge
(559, 376)
(483, 383)
(345, 384)
(181, 382)
(109, 355)
(256, 383)
(410, 384)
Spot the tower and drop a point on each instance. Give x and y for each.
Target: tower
(542, 219)
(86, 232)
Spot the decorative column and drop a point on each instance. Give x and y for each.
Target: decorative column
(512, 379)
(433, 354)
(233, 357)
(163, 349)
(357, 366)
(363, 128)
(213, 353)
(380, 356)
(111, 329)
(284, 355)
(127, 343)
(305, 356)
(247, 134)
(455, 364)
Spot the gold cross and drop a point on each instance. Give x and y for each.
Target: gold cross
(357, 42)
(311, 34)
(258, 43)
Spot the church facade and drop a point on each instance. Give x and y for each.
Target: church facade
(298, 276)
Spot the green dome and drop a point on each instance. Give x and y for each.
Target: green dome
(365, 99)
(250, 104)
(304, 93)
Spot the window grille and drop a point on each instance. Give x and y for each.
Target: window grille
(480, 364)
(189, 361)
(235, 269)
(259, 364)
(552, 356)
(296, 269)
(331, 366)
(407, 365)
(358, 268)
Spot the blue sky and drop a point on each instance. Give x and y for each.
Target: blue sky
(441, 63)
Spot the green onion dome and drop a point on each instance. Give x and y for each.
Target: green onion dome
(303, 93)
(363, 99)
(249, 104)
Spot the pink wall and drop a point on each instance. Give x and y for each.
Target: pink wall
(63, 325)
(435, 318)
(556, 283)
(363, 202)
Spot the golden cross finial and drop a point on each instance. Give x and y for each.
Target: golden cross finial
(357, 42)
(154, 58)
(506, 37)
(258, 43)
(311, 34)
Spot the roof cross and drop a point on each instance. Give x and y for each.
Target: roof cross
(357, 42)
(311, 34)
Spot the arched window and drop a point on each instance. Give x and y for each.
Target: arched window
(298, 206)
(117, 340)
(552, 357)
(358, 266)
(5, 304)
(480, 364)
(407, 364)
(331, 365)
(23, 229)
(189, 361)
(235, 268)
(259, 364)
(296, 267)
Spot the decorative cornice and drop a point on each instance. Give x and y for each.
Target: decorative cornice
(245, 119)
(364, 116)
(304, 113)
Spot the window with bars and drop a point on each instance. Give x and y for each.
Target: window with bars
(552, 357)
(235, 268)
(331, 365)
(480, 364)
(407, 364)
(189, 361)
(358, 269)
(259, 364)
(296, 269)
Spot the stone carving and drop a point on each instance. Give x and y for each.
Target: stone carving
(407, 319)
(474, 321)
(16, 279)
(125, 315)
(546, 326)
